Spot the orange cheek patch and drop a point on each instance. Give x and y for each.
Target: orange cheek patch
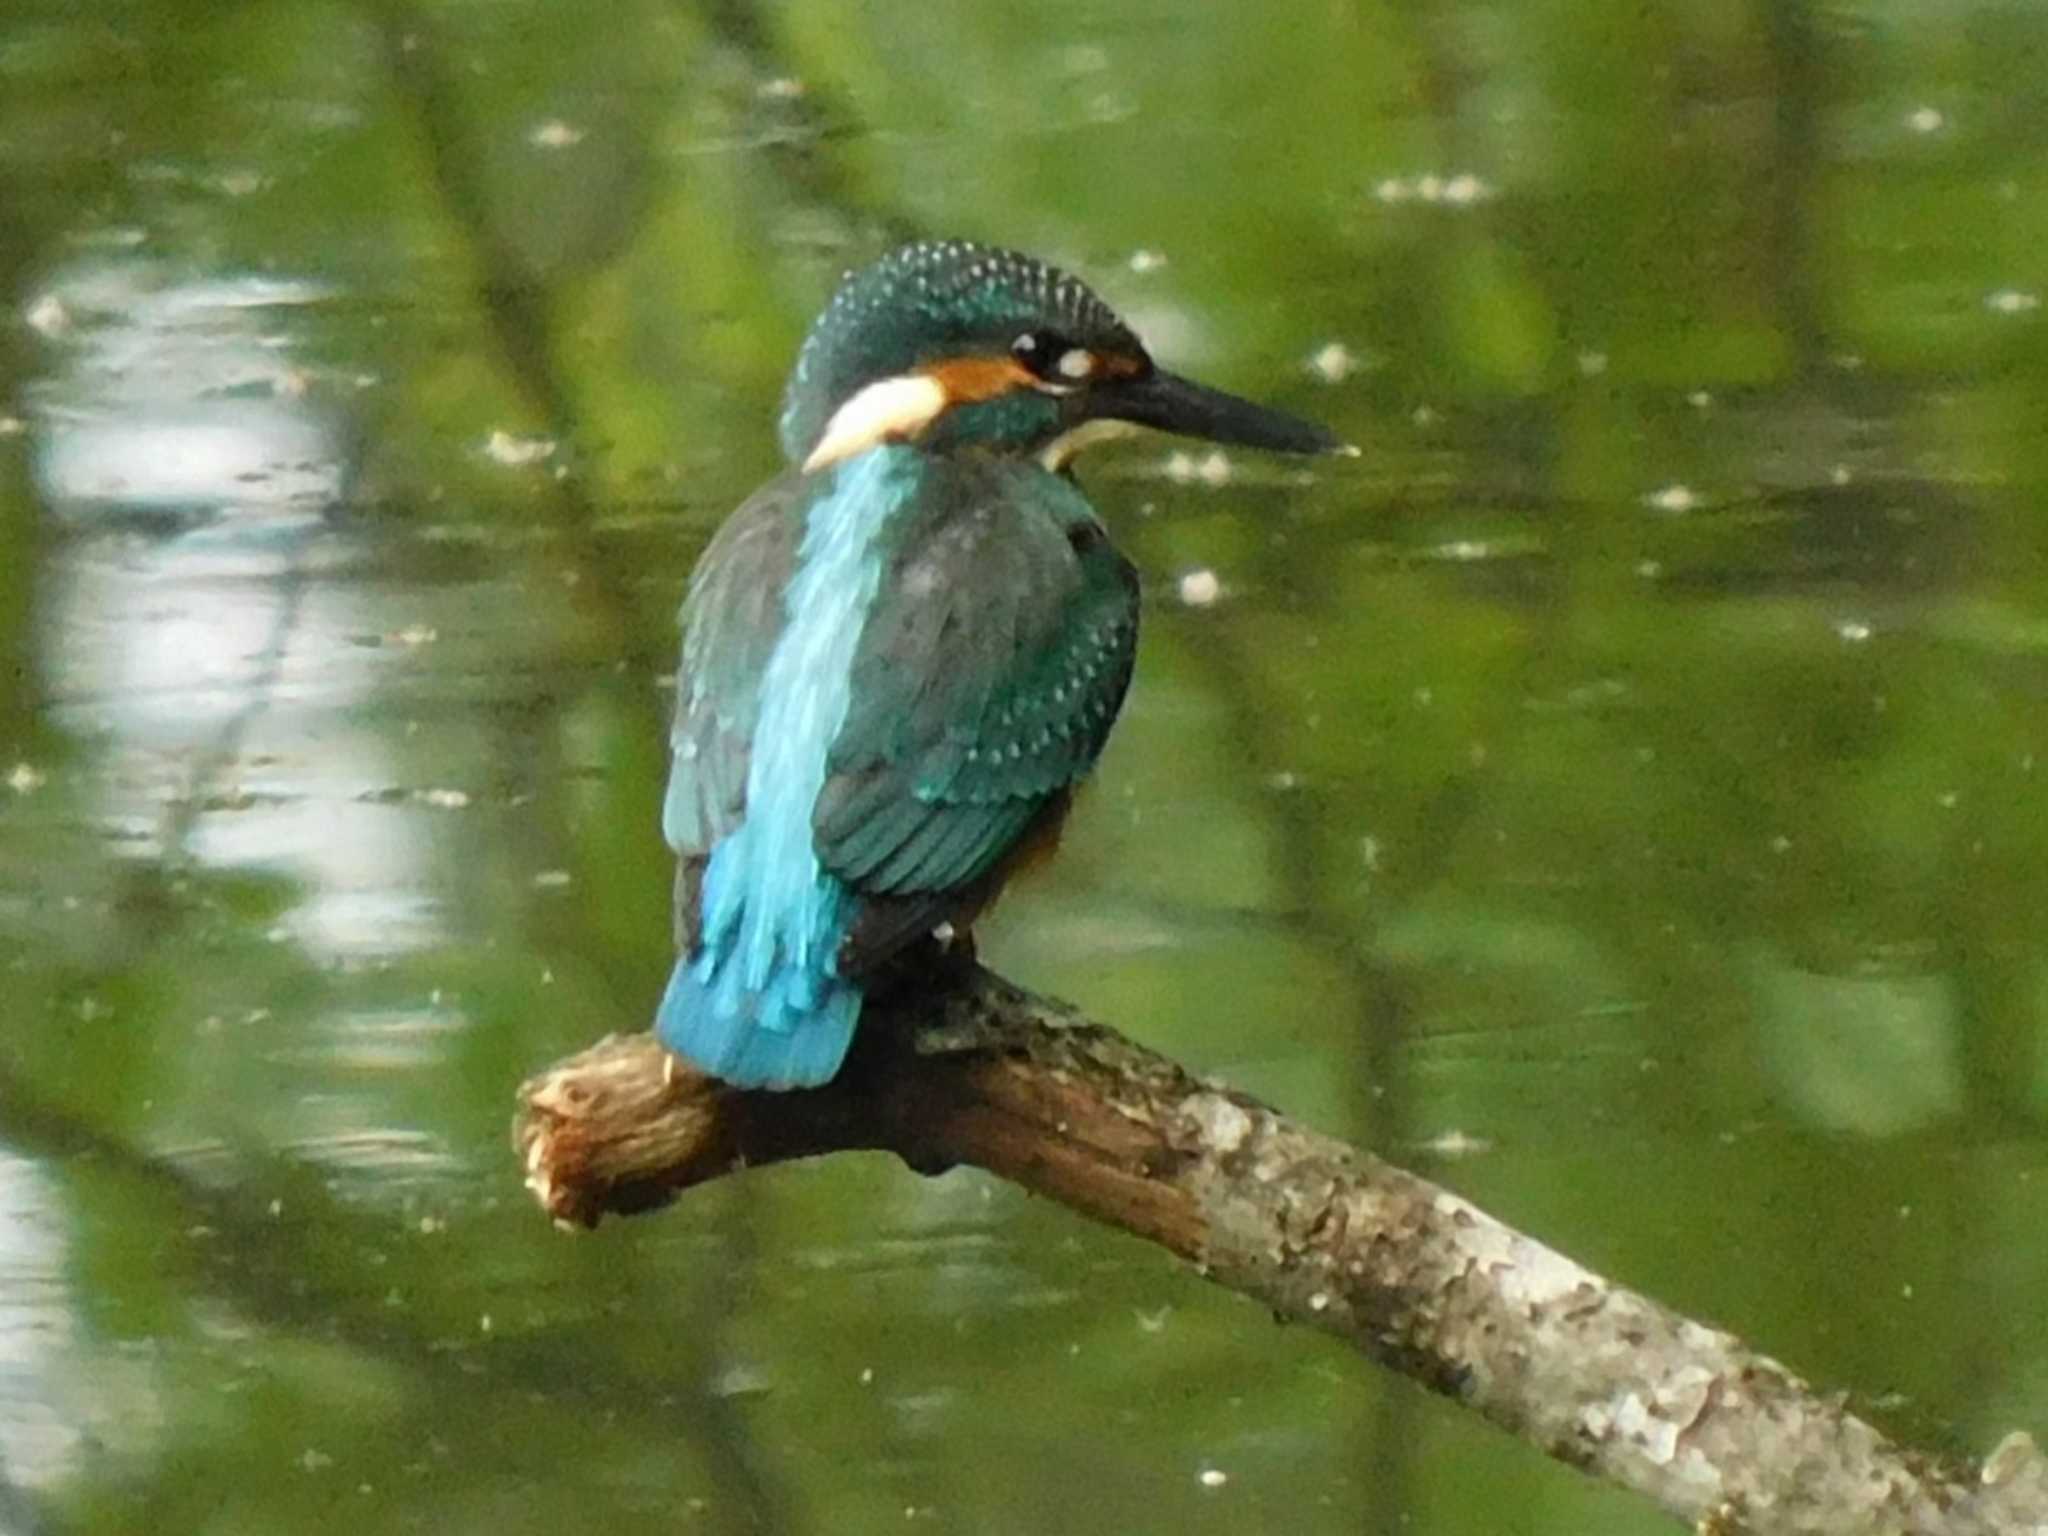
(968, 379)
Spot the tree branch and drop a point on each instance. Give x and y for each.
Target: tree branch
(974, 1070)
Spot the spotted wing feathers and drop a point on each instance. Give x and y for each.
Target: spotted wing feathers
(987, 681)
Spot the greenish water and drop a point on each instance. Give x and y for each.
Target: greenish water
(1619, 793)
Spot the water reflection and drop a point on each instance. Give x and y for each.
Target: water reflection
(179, 399)
(39, 1432)
(199, 635)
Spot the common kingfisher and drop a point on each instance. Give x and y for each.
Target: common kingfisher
(902, 655)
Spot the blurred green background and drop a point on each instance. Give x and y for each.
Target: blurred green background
(1618, 793)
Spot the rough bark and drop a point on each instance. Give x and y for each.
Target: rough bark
(973, 1070)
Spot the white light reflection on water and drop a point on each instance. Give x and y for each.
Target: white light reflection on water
(195, 634)
(51, 1408)
(267, 455)
(173, 397)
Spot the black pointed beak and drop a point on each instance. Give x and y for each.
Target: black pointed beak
(1174, 404)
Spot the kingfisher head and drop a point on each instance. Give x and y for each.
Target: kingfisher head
(950, 344)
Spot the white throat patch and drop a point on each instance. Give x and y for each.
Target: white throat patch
(887, 410)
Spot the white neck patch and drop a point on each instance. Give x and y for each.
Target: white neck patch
(885, 411)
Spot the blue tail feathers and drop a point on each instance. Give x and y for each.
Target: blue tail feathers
(760, 1002)
(793, 1034)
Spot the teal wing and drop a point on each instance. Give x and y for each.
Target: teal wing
(731, 620)
(985, 684)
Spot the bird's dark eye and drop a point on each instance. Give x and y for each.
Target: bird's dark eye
(1054, 358)
(1037, 350)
